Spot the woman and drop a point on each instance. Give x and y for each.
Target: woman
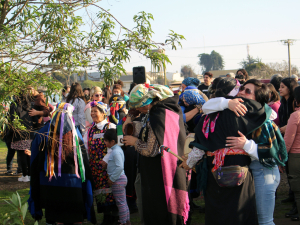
(162, 128)
(61, 179)
(30, 108)
(286, 91)
(274, 101)
(76, 98)
(265, 154)
(292, 141)
(117, 109)
(96, 95)
(98, 152)
(117, 90)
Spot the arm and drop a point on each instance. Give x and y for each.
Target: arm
(190, 115)
(215, 105)
(118, 159)
(291, 131)
(81, 118)
(40, 107)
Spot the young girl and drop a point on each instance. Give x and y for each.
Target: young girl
(117, 178)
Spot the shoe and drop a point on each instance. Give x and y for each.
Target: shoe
(24, 179)
(289, 199)
(294, 211)
(9, 172)
(295, 217)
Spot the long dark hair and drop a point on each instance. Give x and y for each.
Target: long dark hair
(225, 86)
(274, 94)
(75, 92)
(290, 83)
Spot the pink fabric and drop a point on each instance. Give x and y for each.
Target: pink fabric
(87, 124)
(177, 200)
(292, 133)
(275, 106)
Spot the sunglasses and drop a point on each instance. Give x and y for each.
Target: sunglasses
(247, 90)
(96, 95)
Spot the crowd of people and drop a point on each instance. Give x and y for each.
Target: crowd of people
(131, 153)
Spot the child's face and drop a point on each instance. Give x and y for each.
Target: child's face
(109, 144)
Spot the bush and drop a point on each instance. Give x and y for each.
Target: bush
(90, 84)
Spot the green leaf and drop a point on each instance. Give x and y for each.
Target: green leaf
(24, 210)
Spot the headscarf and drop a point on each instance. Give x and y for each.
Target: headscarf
(193, 97)
(118, 103)
(236, 89)
(100, 105)
(143, 94)
(191, 81)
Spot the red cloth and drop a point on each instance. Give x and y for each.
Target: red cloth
(275, 106)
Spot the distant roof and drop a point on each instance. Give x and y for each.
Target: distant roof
(126, 78)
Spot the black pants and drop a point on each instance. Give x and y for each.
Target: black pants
(9, 158)
(25, 162)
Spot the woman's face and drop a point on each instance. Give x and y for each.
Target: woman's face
(96, 115)
(117, 92)
(247, 91)
(97, 97)
(284, 91)
(183, 87)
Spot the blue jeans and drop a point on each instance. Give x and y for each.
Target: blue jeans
(266, 182)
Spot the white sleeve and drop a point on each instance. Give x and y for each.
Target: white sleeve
(106, 157)
(215, 105)
(112, 126)
(273, 115)
(251, 148)
(85, 141)
(194, 156)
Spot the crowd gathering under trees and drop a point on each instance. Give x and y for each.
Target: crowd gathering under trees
(101, 150)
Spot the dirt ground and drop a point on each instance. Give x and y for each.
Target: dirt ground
(10, 183)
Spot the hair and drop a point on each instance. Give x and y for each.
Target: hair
(212, 89)
(297, 94)
(240, 78)
(261, 92)
(106, 95)
(274, 94)
(208, 74)
(84, 89)
(291, 84)
(75, 92)
(225, 86)
(132, 85)
(111, 135)
(94, 90)
(245, 73)
(276, 80)
(65, 88)
(119, 82)
(118, 87)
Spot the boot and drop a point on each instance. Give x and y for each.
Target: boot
(291, 213)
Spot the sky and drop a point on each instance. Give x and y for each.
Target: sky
(224, 26)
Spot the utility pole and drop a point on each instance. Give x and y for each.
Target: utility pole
(289, 42)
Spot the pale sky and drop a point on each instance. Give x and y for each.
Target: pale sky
(217, 23)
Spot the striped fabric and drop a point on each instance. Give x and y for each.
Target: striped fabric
(118, 190)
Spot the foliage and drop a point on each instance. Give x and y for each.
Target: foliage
(250, 60)
(90, 84)
(266, 71)
(212, 61)
(35, 35)
(254, 66)
(187, 71)
(17, 216)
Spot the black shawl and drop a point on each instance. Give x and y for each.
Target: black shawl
(285, 110)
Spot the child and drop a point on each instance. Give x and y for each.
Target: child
(117, 178)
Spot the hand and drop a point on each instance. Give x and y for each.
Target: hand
(237, 107)
(27, 152)
(236, 142)
(110, 183)
(34, 112)
(282, 129)
(184, 165)
(128, 120)
(104, 165)
(129, 140)
(281, 169)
